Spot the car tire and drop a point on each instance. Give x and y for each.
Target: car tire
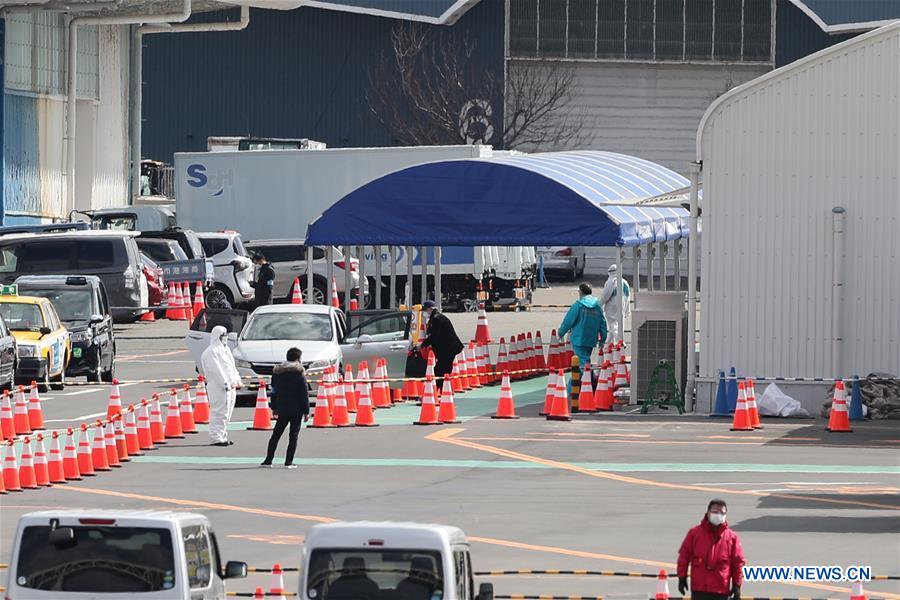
(110, 374)
(44, 384)
(218, 297)
(320, 289)
(59, 384)
(94, 376)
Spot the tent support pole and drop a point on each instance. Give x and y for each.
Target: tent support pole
(409, 277)
(437, 277)
(636, 269)
(361, 253)
(393, 291)
(329, 273)
(693, 257)
(650, 267)
(348, 282)
(310, 288)
(663, 285)
(677, 252)
(620, 290)
(377, 254)
(423, 273)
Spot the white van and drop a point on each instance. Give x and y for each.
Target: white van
(388, 561)
(114, 555)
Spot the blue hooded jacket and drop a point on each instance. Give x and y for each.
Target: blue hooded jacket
(586, 322)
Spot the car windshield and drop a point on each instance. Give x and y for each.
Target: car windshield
(389, 574)
(70, 305)
(98, 560)
(22, 317)
(114, 222)
(312, 327)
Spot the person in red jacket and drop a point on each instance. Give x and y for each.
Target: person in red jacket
(714, 554)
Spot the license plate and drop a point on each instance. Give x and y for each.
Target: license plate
(76, 352)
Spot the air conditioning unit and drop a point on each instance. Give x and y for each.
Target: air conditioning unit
(659, 333)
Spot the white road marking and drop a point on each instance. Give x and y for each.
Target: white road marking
(166, 362)
(789, 483)
(81, 418)
(95, 389)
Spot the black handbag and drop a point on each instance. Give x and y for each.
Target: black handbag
(416, 364)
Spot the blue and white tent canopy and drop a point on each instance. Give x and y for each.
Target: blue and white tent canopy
(558, 198)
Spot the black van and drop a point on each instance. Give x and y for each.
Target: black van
(110, 255)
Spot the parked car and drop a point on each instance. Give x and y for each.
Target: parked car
(288, 257)
(186, 238)
(117, 555)
(82, 306)
(388, 560)
(233, 268)
(132, 218)
(43, 347)
(8, 357)
(113, 256)
(567, 260)
(161, 250)
(261, 340)
(157, 292)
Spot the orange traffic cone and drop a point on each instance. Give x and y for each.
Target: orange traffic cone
(603, 396)
(121, 442)
(259, 594)
(553, 355)
(157, 430)
(741, 415)
(85, 460)
(334, 295)
(365, 415)
(857, 592)
(296, 292)
(506, 407)
(340, 416)
(482, 329)
(173, 419)
(131, 435)
(41, 471)
(428, 412)
(20, 415)
(586, 395)
(277, 588)
(662, 585)
(55, 461)
(350, 389)
(262, 414)
(322, 414)
(144, 432)
(539, 351)
(186, 302)
(186, 411)
(502, 356)
(839, 419)
(70, 458)
(172, 303)
(114, 406)
(549, 394)
(201, 402)
(447, 413)
(363, 377)
(35, 413)
(109, 445)
(7, 420)
(381, 391)
(98, 449)
(752, 408)
(472, 366)
(559, 410)
(27, 478)
(148, 316)
(397, 396)
(10, 468)
(199, 301)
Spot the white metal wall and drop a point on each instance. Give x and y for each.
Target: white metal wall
(645, 109)
(778, 155)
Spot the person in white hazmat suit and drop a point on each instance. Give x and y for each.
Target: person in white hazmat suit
(612, 304)
(222, 383)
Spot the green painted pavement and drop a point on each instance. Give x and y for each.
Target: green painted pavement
(511, 464)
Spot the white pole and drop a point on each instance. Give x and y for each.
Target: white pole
(677, 252)
(635, 269)
(663, 285)
(620, 291)
(423, 271)
(348, 282)
(409, 277)
(837, 292)
(377, 254)
(310, 288)
(437, 277)
(693, 257)
(393, 291)
(361, 254)
(329, 273)
(650, 267)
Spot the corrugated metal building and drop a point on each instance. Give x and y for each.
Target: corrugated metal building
(778, 155)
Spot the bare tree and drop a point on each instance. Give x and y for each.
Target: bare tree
(429, 90)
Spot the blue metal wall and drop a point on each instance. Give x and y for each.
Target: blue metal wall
(295, 74)
(796, 35)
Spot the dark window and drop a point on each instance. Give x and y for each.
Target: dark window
(232, 320)
(213, 246)
(639, 43)
(46, 257)
(611, 29)
(728, 30)
(101, 560)
(582, 27)
(698, 29)
(339, 574)
(757, 30)
(552, 34)
(523, 28)
(670, 30)
(280, 254)
(95, 254)
(318, 253)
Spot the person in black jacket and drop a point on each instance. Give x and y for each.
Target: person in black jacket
(290, 397)
(265, 280)
(442, 339)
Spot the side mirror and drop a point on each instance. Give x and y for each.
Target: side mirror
(232, 337)
(364, 339)
(236, 570)
(486, 591)
(45, 330)
(97, 319)
(62, 537)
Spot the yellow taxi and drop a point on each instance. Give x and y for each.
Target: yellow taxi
(43, 343)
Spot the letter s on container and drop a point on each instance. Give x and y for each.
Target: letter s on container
(197, 175)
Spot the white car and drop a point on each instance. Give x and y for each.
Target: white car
(260, 340)
(233, 268)
(568, 260)
(117, 554)
(288, 257)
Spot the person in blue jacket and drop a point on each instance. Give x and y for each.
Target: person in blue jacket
(586, 322)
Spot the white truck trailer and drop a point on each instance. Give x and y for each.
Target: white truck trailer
(277, 193)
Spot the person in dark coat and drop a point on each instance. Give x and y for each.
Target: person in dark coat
(442, 339)
(290, 398)
(265, 280)
(712, 554)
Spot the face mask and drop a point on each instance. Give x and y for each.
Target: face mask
(716, 518)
